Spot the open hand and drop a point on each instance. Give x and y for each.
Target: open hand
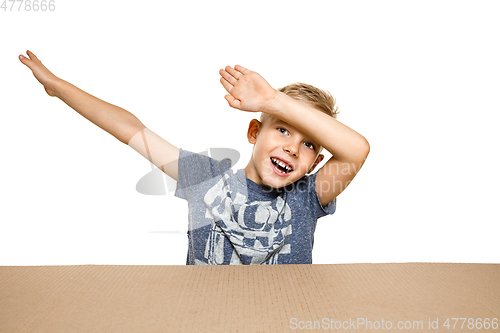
(248, 91)
(42, 74)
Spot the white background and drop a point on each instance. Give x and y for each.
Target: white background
(420, 80)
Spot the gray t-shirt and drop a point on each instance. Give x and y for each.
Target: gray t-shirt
(233, 220)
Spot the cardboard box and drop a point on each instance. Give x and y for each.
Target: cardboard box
(402, 297)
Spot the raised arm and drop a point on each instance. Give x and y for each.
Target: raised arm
(248, 91)
(118, 122)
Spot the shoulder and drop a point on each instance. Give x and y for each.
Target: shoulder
(304, 193)
(201, 164)
(198, 172)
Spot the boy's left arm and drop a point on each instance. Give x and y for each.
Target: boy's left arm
(248, 91)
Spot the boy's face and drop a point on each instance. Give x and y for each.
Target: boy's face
(281, 154)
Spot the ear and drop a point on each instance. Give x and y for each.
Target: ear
(318, 161)
(253, 130)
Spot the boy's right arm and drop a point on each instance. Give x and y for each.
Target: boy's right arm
(118, 122)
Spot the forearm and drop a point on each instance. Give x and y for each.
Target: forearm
(118, 122)
(345, 144)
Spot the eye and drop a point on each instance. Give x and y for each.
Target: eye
(282, 130)
(309, 145)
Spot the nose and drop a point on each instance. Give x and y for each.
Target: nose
(291, 149)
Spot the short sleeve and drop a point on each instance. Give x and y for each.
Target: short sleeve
(195, 169)
(306, 197)
(330, 207)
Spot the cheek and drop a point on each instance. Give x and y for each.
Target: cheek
(309, 157)
(263, 146)
(260, 156)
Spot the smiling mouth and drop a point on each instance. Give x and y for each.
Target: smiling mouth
(280, 165)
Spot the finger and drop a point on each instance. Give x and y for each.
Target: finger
(229, 78)
(228, 86)
(233, 102)
(32, 55)
(242, 69)
(233, 72)
(25, 60)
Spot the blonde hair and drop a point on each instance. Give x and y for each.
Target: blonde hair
(319, 99)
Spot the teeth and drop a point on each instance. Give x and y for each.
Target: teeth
(281, 164)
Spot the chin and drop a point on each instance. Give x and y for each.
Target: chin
(275, 182)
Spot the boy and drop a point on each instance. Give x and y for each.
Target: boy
(266, 213)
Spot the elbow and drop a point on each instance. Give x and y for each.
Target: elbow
(366, 148)
(363, 151)
(129, 132)
(363, 148)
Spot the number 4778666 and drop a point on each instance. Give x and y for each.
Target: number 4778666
(29, 5)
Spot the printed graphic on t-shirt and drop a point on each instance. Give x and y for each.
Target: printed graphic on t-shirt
(256, 229)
